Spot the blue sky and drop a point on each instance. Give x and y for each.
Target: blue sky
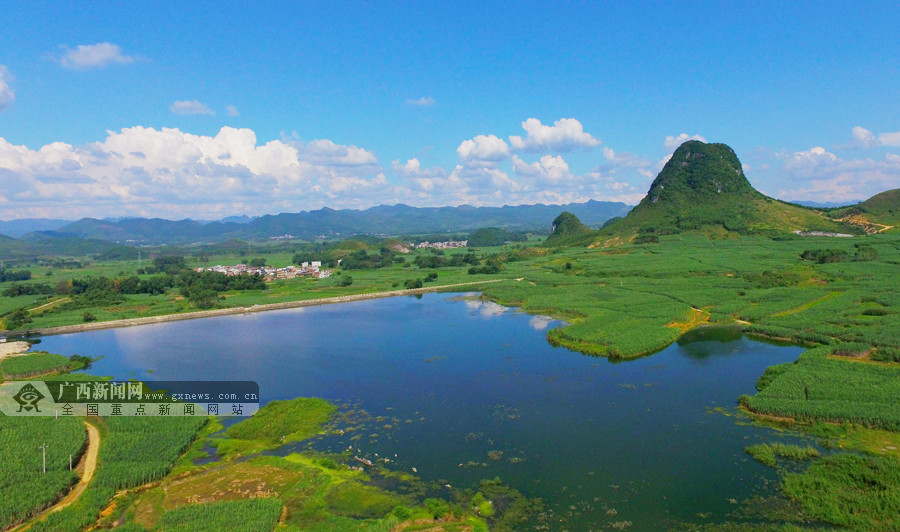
(191, 110)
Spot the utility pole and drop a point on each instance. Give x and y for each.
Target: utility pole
(44, 447)
(139, 260)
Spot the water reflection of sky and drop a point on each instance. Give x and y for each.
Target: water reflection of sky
(540, 323)
(485, 308)
(489, 309)
(455, 382)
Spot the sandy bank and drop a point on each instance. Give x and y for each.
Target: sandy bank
(11, 349)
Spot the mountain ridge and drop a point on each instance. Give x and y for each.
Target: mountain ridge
(381, 220)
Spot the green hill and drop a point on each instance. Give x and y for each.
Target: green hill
(49, 244)
(495, 236)
(886, 203)
(879, 213)
(568, 230)
(703, 188)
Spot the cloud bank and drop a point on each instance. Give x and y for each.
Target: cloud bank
(148, 172)
(821, 175)
(142, 171)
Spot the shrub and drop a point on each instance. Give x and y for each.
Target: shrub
(402, 512)
(437, 508)
(825, 256)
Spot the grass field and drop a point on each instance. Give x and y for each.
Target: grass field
(25, 488)
(23, 367)
(848, 490)
(133, 451)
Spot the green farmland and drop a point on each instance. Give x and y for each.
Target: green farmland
(620, 300)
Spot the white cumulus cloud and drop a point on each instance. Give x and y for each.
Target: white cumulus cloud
(810, 163)
(7, 96)
(564, 135)
(820, 175)
(327, 153)
(549, 168)
(889, 139)
(483, 150)
(412, 169)
(863, 138)
(87, 56)
(190, 107)
(148, 172)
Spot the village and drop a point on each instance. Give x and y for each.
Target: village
(449, 244)
(270, 273)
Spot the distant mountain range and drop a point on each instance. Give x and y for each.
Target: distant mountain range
(382, 220)
(17, 228)
(826, 204)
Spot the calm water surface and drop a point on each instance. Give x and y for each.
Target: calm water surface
(451, 384)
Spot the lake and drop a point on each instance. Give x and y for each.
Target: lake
(463, 389)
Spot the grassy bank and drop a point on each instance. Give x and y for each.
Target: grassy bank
(308, 491)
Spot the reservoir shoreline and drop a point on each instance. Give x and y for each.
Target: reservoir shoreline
(131, 322)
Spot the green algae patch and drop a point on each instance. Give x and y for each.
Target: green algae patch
(768, 453)
(275, 424)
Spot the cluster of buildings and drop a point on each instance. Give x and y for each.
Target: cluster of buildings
(442, 245)
(822, 233)
(270, 273)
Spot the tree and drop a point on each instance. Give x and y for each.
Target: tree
(204, 298)
(16, 319)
